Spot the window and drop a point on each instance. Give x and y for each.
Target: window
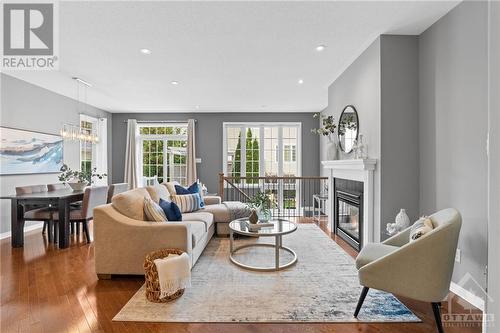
(89, 151)
(269, 149)
(86, 148)
(164, 152)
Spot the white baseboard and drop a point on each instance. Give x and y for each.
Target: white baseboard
(458, 290)
(32, 227)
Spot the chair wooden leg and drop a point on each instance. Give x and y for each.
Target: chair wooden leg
(360, 301)
(77, 225)
(44, 229)
(72, 228)
(86, 230)
(437, 316)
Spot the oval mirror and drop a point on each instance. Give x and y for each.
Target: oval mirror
(348, 128)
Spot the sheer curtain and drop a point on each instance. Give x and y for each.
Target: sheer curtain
(191, 153)
(131, 154)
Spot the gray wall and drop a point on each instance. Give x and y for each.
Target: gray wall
(382, 83)
(359, 85)
(209, 139)
(399, 128)
(494, 165)
(29, 107)
(453, 127)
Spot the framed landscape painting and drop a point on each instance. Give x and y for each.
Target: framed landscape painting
(28, 152)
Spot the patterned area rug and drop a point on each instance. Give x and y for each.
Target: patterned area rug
(321, 287)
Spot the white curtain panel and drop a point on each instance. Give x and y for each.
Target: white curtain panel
(131, 153)
(191, 153)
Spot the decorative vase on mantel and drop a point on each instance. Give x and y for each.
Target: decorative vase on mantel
(332, 149)
(402, 220)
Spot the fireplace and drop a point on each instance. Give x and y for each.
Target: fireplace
(349, 211)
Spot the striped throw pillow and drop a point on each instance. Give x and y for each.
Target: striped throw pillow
(153, 211)
(188, 202)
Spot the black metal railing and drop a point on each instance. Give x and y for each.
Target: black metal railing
(291, 196)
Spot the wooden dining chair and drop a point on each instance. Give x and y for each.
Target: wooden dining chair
(29, 210)
(115, 189)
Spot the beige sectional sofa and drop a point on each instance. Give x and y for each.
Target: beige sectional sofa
(123, 237)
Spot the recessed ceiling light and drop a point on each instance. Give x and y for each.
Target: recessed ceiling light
(197, 107)
(320, 48)
(175, 83)
(300, 81)
(145, 51)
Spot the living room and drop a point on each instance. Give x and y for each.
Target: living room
(250, 166)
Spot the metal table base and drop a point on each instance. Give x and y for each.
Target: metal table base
(277, 246)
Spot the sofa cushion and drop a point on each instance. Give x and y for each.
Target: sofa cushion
(131, 203)
(158, 192)
(153, 211)
(197, 231)
(171, 210)
(188, 202)
(220, 212)
(171, 187)
(205, 217)
(372, 252)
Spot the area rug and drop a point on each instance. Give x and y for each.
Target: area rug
(321, 287)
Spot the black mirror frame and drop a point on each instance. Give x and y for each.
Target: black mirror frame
(357, 127)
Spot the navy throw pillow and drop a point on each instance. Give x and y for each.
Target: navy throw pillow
(180, 190)
(171, 210)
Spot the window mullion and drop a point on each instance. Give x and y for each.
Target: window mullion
(262, 166)
(243, 163)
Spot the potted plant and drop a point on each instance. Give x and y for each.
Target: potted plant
(262, 204)
(328, 128)
(77, 180)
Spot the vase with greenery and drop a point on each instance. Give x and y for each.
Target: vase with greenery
(328, 129)
(262, 203)
(78, 179)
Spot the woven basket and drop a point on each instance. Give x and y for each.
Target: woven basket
(151, 274)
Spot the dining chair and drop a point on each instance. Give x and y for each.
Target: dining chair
(30, 209)
(115, 189)
(64, 186)
(419, 269)
(92, 197)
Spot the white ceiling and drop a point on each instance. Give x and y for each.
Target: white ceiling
(227, 56)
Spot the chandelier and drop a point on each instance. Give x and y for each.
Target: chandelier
(71, 132)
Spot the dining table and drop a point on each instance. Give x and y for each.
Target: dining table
(59, 198)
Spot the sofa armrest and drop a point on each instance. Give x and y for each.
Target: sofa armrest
(212, 200)
(121, 243)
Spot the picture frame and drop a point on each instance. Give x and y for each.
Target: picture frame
(24, 152)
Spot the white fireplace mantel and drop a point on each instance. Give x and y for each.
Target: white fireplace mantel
(359, 170)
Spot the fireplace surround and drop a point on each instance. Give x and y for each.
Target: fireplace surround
(360, 170)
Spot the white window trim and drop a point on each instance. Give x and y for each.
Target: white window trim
(280, 125)
(163, 137)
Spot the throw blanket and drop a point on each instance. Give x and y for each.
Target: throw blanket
(237, 209)
(174, 273)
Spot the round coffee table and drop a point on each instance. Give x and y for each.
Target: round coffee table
(279, 228)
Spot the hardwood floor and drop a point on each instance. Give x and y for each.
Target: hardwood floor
(44, 289)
